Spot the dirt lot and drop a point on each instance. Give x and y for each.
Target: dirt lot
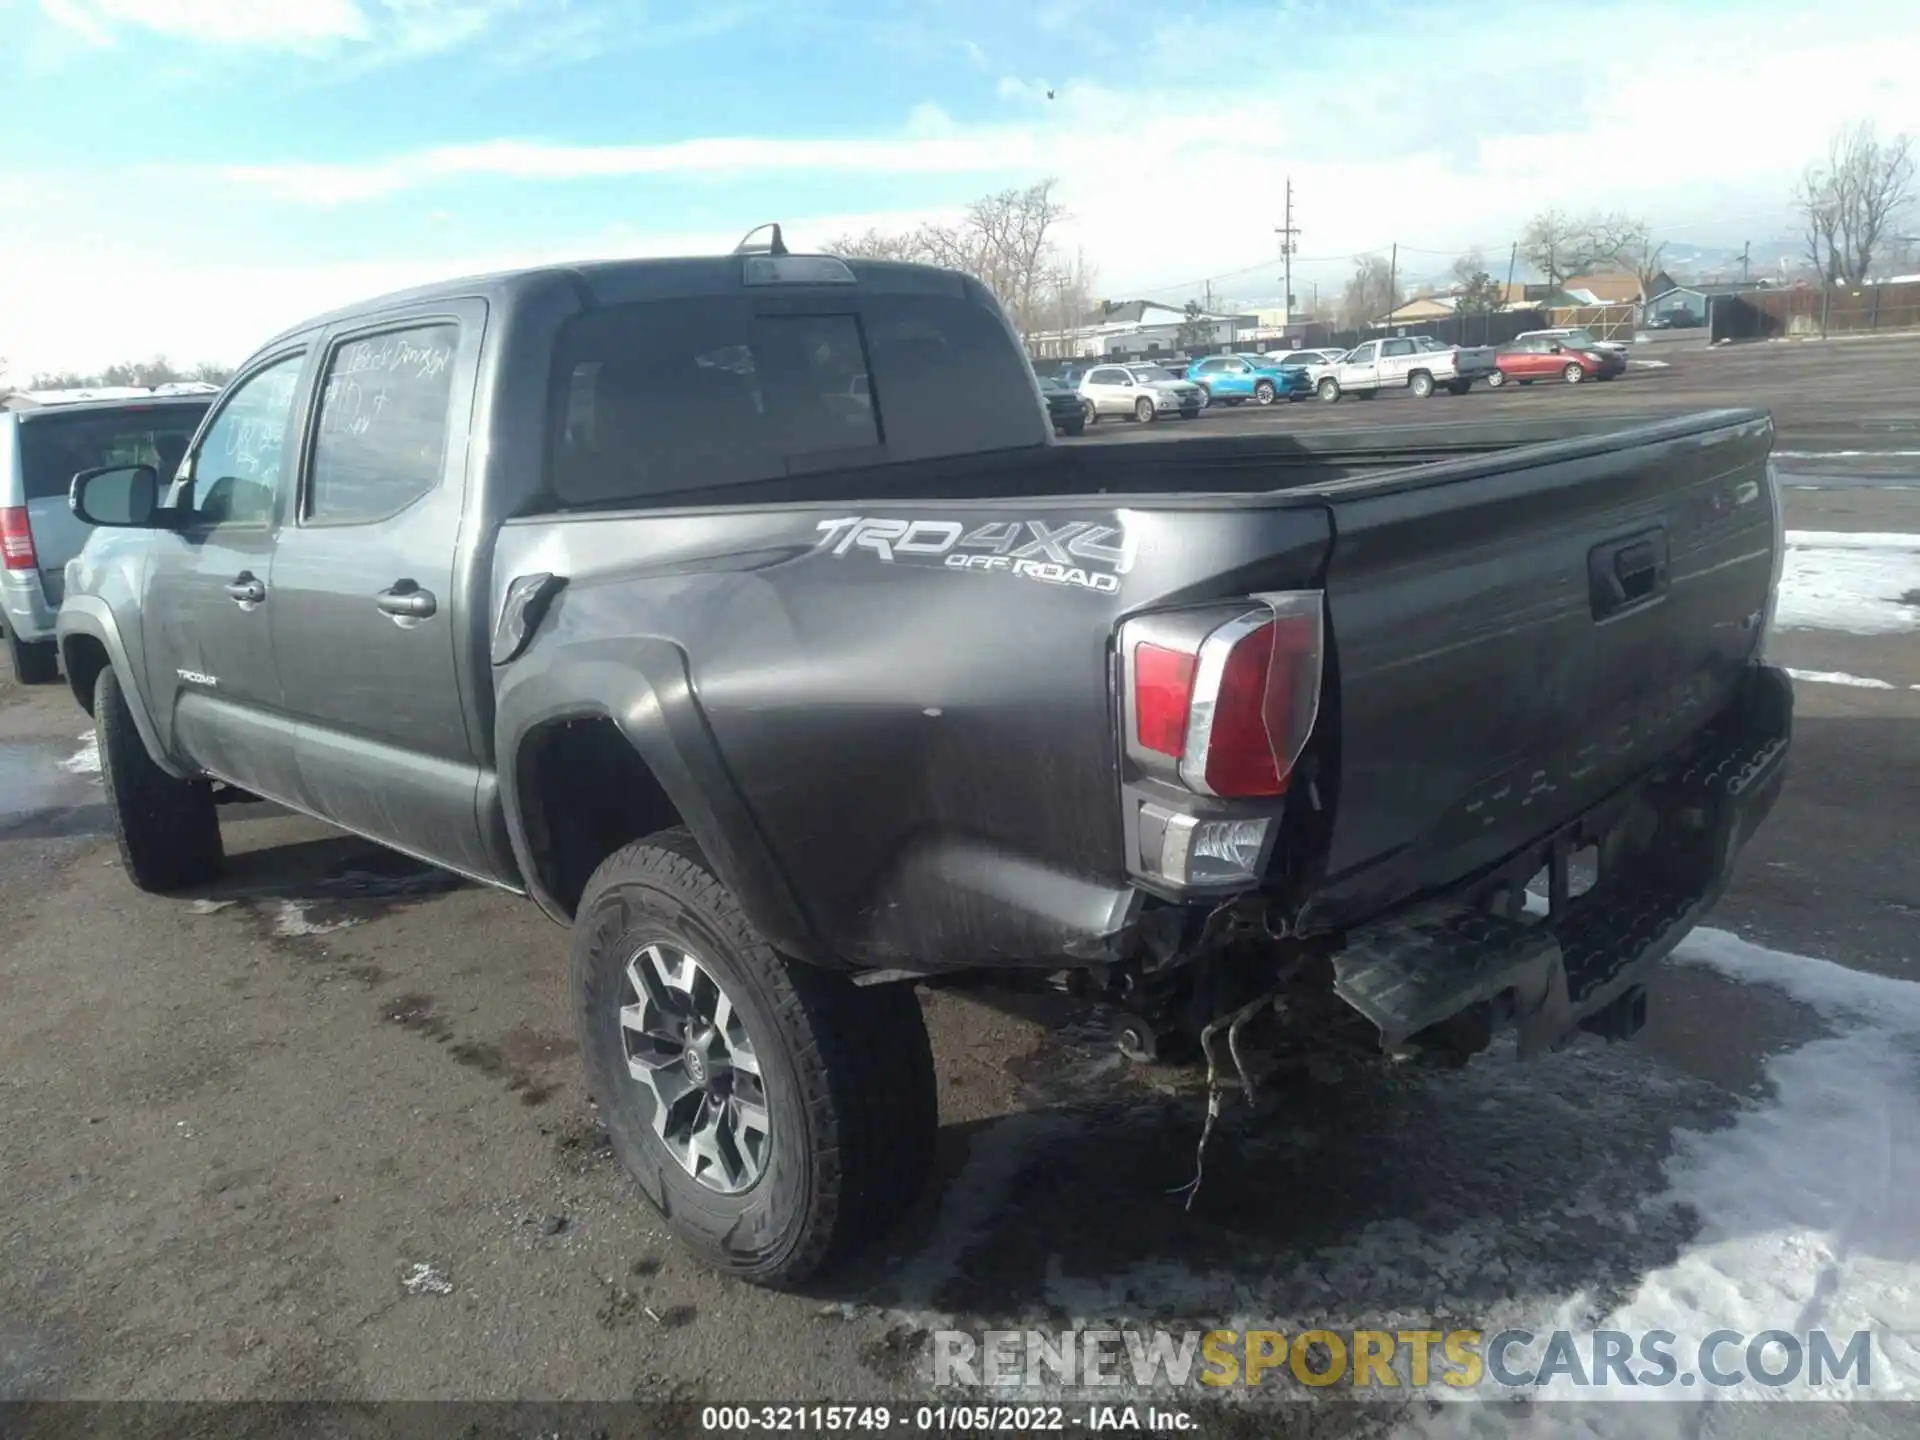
(319, 1132)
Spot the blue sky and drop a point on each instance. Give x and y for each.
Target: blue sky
(186, 175)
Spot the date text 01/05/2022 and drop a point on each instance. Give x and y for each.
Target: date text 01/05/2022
(940, 1419)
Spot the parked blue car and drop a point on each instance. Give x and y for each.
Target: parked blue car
(1230, 379)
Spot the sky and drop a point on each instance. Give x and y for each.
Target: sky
(187, 176)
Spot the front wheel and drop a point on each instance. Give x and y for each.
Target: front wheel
(167, 829)
(1459, 387)
(34, 662)
(1496, 379)
(1329, 390)
(1143, 410)
(1074, 427)
(1206, 398)
(1573, 374)
(1093, 415)
(1263, 393)
(777, 1115)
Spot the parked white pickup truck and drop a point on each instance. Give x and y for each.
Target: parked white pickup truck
(1418, 363)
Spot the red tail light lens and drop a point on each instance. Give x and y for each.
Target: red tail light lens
(1234, 704)
(1162, 692)
(16, 539)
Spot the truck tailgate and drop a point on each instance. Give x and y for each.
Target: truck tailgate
(1514, 639)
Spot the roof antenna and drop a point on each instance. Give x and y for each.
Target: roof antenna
(773, 246)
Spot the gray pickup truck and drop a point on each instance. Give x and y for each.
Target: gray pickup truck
(743, 613)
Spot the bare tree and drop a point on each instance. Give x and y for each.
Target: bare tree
(879, 245)
(1819, 209)
(1850, 203)
(1556, 245)
(1369, 293)
(1473, 263)
(1005, 241)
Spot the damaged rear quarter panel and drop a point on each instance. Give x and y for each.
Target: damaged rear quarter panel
(912, 699)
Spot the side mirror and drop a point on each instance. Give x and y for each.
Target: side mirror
(119, 496)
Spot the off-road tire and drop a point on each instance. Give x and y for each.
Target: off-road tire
(849, 1073)
(168, 829)
(34, 662)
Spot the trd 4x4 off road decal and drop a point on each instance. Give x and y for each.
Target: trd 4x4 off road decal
(1080, 553)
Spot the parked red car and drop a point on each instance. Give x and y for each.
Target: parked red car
(1538, 358)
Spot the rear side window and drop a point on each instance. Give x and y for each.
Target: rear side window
(381, 436)
(54, 448)
(679, 395)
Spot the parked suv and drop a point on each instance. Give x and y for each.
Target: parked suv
(40, 452)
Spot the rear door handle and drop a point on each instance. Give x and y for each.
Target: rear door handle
(406, 600)
(244, 589)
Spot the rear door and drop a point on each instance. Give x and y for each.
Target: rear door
(1516, 638)
(367, 618)
(1396, 361)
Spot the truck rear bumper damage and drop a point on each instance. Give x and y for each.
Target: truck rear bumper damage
(1583, 962)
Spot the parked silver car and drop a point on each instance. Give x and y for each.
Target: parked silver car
(1146, 392)
(41, 449)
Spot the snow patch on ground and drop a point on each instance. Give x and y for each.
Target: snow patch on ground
(85, 760)
(1836, 677)
(1857, 583)
(1843, 454)
(291, 921)
(1652, 364)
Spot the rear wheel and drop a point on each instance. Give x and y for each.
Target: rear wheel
(35, 662)
(1526, 382)
(1263, 392)
(1143, 410)
(1573, 374)
(778, 1116)
(1329, 389)
(168, 829)
(1421, 384)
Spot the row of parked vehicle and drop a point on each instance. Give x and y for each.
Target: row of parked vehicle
(1419, 364)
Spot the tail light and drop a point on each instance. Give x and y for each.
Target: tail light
(16, 539)
(1223, 706)
(1218, 703)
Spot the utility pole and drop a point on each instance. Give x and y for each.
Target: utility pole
(1746, 254)
(1286, 231)
(1393, 280)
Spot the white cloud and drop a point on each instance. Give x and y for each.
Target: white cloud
(92, 303)
(291, 24)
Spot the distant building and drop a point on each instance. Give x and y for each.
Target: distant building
(1614, 287)
(1698, 301)
(1136, 328)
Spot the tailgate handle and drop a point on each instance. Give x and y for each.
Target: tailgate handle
(1625, 573)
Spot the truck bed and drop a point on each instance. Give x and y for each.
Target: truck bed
(1522, 619)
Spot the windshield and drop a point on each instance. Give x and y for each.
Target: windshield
(1581, 338)
(1151, 373)
(54, 448)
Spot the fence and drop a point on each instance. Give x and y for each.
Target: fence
(1815, 310)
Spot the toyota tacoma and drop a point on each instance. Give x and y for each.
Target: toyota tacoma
(742, 612)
